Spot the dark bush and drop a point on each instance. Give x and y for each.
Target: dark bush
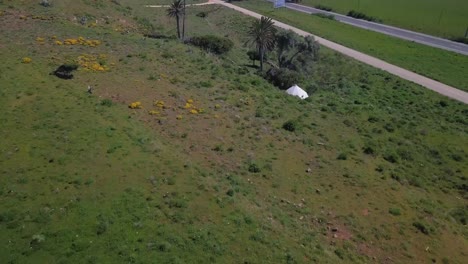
(461, 40)
(254, 168)
(202, 14)
(363, 16)
(289, 126)
(394, 211)
(283, 78)
(106, 102)
(421, 227)
(211, 43)
(322, 7)
(342, 156)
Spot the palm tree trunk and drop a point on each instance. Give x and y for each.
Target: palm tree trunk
(261, 58)
(178, 26)
(183, 24)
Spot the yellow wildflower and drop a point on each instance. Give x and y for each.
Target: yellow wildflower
(194, 111)
(58, 42)
(135, 105)
(27, 60)
(153, 112)
(179, 117)
(188, 105)
(190, 101)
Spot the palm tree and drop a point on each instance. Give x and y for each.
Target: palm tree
(183, 24)
(176, 9)
(262, 34)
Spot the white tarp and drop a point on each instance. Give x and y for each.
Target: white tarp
(297, 91)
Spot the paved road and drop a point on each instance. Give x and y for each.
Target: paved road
(389, 30)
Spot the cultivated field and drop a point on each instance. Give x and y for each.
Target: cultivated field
(374, 171)
(445, 18)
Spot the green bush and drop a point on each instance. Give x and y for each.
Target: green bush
(254, 168)
(211, 43)
(325, 8)
(283, 78)
(363, 16)
(394, 211)
(106, 102)
(289, 126)
(421, 227)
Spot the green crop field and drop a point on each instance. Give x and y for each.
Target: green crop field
(444, 66)
(445, 18)
(374, 171)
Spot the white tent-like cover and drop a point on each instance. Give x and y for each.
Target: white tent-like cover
(297, 91)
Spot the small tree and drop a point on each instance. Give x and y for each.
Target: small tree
(254, 56)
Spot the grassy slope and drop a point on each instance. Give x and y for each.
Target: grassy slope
(445, 18)
(110, 184)
(447, 67)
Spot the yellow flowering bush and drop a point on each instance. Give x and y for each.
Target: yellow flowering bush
(179, 117)
(39, 39)
(27, 60)
(153, 112)
(159, 104)
(58, 42)
(82, 41)
(135, 105)
(92, 62)
(192, 109)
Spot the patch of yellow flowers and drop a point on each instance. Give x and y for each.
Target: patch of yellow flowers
(135, 105)
(192, 109)
(26, 60)
(91, 62)
(82, 41)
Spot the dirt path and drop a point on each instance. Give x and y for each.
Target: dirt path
(430, 84)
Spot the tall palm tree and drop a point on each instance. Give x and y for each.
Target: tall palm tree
(262, 34)
(183, 23)
(176, 9)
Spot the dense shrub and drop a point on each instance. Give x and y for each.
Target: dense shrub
(461, 40)
(283, 78)
(202, 14)
(322, 7)
(45, 3)
(363, 16)
(254, 168)
(211, 43)
(290, 126)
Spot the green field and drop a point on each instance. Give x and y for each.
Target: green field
(445, 18)
(444, 66)
(86, 179)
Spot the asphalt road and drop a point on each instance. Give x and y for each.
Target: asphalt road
(389, 30)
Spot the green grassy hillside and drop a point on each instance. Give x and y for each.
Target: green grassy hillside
(375, 169)
(445, 18)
